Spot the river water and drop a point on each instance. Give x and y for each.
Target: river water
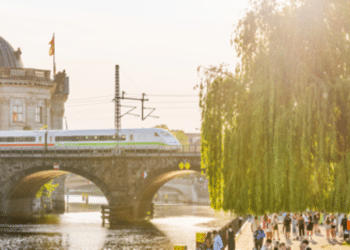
(173, 225)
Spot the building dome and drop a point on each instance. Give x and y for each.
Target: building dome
(8, 57)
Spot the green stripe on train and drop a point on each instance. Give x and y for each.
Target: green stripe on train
(109, 144)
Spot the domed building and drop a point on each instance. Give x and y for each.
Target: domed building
(29, 98)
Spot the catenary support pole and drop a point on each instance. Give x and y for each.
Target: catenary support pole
(117, 106)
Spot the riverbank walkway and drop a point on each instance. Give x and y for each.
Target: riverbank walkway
(244, 241)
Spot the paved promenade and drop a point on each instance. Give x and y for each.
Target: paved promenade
(245, 240)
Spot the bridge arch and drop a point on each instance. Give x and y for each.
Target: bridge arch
(18, 192)
(156, 179)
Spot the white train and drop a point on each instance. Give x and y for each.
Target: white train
(104, 139)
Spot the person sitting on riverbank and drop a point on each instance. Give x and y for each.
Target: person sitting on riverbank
(209, 241)
(304, 245)
(282, 246)
(268, 245)
(217, 245)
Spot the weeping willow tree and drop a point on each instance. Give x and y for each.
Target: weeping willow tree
(275, 134)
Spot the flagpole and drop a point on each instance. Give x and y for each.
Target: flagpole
(54, 62)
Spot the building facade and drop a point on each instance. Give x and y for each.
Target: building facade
(29, 98)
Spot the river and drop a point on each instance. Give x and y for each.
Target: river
(173, 225)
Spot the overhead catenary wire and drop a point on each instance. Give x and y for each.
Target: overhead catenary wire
(90, 98)
(99, 103)
(111, 97)
(177, 102)
(178, 108)
(155, 95)
(134, 84)
(105, 116)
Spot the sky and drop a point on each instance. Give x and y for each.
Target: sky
(158, 46)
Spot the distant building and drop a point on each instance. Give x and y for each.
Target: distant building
(29, 98)
(194, 138)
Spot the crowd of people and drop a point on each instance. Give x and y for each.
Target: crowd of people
(295, 225)
(213, 240)
(300, 226)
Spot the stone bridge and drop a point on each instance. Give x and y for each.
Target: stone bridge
(119, 176)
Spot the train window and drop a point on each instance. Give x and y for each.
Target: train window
(131, 137)
(156, 134)
(95, 137)
(50, 138)
(40, 138)
(10, 139)
(61, 138)
(29, 139)
(109, 138)
(2, 139)
(123, 137)
(165, 133)
(102, 138)
(19, 139)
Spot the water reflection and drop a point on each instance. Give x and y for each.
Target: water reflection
(74, 231)
(80, 231)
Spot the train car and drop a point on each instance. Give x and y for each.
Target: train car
(129, 139)
(22, 140)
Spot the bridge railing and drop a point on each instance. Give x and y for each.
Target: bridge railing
(172, 150)
(190, 148)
